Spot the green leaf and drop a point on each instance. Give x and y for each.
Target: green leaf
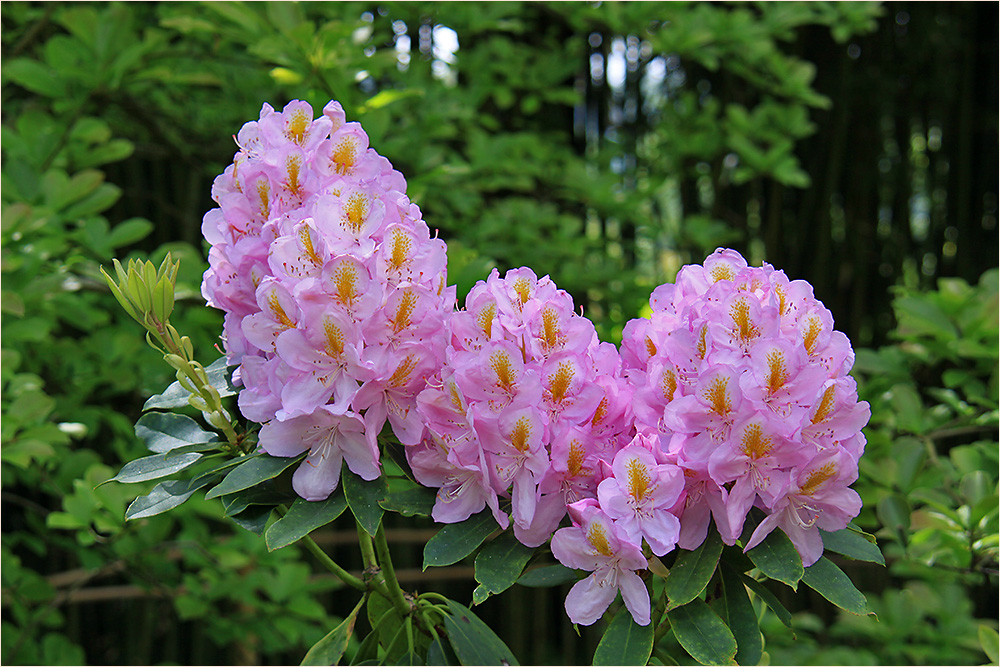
(330, 649)
(500, 562)
(176, 396)
(830, 581)
(36, 77)
(253, 472)
(154, 467)
(262, 494)
(989, 640)
(418, 500)
(166, 496)
(777, 558)
(363, 497)
(546, 576)
(302, 518)
(894, 513)
(625, 642)
(737, 612)
(129, 231)
(693, 570)
(702, 633)
(163, 431)
(441, 653)
(474, 642)
(457, 540)
(254, 519)
(853, 543)
(769, 598)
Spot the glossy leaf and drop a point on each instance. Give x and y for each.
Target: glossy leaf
(693, 570)
(455, 541)
(363, 497)
(302, 518)
(500, 562)
(702, 633)
(830, 581)
(546, 576)
(163, 431)
(253, 519)
(253, 472)
(625, 642)
(853, 543)
(166, 496)
(330, 649)
(262, 494)
(736, 611)
(154, 467)
(769, 598)
(418, 500)
(778, 559)
(473, 641)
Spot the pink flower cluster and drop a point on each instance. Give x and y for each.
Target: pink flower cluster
(334, 291)
(741, 377)
(733, 394)
(525, 406)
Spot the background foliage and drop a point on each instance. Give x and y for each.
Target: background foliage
(853, 145)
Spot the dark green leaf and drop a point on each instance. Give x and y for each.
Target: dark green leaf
(154, 467)
(830, 581)
(549, 575)
(253, 519)
(457, 540)
(769, 598)
(474, 642)
(693, 570)
(853, 543)
(702, 633)
(262, 494)
(418, 500)
(894, 513)
(253, 472)
(625, 642)
(777, 558)
(363, 497)
(163, 431)
(166, 496)
(737, 612)
(302, 518)
(500, 562)
(441, 653)
(214, 446)
(330, 649)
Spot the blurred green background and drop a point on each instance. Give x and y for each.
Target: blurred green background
(605, 144)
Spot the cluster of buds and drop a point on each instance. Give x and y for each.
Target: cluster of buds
(334, 291)
(147, 295)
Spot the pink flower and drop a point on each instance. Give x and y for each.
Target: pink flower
(740, 375)
(595, 543)
(639, 496)
(330, 438)
(819, 497)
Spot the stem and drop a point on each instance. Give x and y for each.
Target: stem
(328, 562)
(395, 592)
(377, 582)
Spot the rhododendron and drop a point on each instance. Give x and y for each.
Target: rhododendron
(597, 544)
(334, 290)
(528, 386)
(742, 379)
